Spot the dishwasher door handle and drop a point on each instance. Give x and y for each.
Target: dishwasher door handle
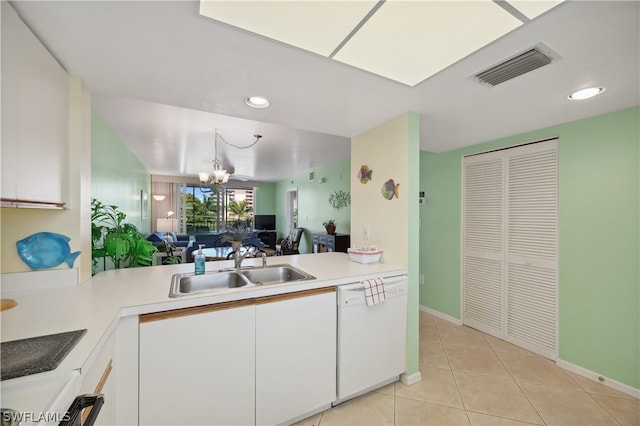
(387, 281)
(74, 413)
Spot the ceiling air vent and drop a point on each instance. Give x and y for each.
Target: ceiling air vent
(511, 68)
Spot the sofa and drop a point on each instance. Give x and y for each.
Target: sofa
(219, 240)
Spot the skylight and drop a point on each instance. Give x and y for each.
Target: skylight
(405, 41)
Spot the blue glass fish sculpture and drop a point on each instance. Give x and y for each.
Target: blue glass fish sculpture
(390, 189)
(46, 250)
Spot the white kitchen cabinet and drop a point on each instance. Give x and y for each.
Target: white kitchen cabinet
(197, 365)
(98, 377)
(295, 354)
(35, 118)
(126, 371)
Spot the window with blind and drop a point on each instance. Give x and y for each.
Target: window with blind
(510, 285)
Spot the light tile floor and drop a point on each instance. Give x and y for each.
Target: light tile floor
(471, 378)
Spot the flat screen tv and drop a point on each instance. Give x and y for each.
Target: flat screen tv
(264, 222)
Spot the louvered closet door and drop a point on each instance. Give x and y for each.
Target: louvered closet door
(510, 245)
(483, 247)
(531, 278)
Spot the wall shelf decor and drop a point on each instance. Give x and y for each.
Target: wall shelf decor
(340, 199)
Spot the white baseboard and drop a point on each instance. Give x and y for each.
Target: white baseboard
(439, 314)
(599, 378)
(411, 378)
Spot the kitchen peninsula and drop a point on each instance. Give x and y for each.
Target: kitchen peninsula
(117, 308)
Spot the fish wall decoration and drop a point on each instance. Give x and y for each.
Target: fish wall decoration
(46, 250)
(364, 174)
(390, 189)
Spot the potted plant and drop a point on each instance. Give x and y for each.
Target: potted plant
(235, 233)
(115, 240)
(168, 248)
(330, 226)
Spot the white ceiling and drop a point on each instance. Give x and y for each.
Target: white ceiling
(358, 32)
(165, 78)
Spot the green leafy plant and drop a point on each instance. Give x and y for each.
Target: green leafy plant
(170, 259)
(330, 223)
(330, 226)
(240, 208)
(115, 240)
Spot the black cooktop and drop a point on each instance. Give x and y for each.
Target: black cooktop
(36, 354)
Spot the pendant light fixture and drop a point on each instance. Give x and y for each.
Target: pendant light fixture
(220, 175)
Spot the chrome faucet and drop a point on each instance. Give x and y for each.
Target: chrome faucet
(238, 258)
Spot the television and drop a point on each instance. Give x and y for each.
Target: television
(264, 222)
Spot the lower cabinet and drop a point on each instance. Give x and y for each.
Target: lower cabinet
(295, 354)
(99, 378)
(259, 361)
(197, 366)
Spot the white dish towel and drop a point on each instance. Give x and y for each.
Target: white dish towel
(374, 291)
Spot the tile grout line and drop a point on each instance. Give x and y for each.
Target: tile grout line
(594, 399)
(464, 406)
(394, 401)
(503, 356)
(518, 384)
(580, 389)
(598, 402)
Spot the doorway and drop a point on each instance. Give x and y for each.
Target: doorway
(291, 209)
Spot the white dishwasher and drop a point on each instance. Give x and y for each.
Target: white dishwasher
(371, 338)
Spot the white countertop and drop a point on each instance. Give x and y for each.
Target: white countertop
(98, 304)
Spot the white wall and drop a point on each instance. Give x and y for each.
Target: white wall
(392, 151)
(384, 150)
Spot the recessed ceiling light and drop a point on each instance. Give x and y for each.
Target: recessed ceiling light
(257, 102)
(587, 93)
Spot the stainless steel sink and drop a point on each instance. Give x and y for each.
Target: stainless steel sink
(184, 284)
(276, 274)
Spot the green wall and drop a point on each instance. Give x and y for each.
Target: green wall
(117, 176)
(313, 201)
(413, 258)
(264, 198)
(440, 179)
(599, 241)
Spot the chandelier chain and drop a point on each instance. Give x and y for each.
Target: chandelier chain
(238, 146)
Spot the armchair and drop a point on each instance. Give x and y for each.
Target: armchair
(290, 243)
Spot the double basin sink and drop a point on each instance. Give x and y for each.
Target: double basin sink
(185, 284)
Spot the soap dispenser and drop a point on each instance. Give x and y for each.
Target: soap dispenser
(199, 261)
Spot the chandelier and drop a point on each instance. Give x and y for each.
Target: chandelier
(220, 175)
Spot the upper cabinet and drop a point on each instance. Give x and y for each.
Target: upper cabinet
(35, 119)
